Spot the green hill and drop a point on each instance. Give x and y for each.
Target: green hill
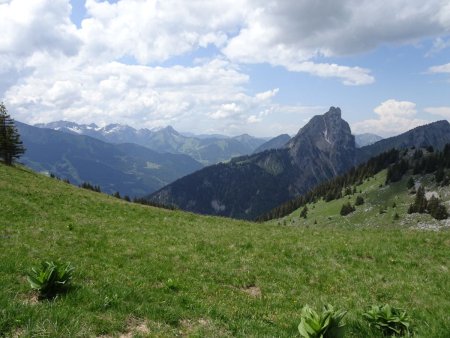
(381, 203)
(144, 271)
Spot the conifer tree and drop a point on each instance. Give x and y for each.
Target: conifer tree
(304, 212)
(436, 209)
(359, 200)
(11, 147)
(346, 209)
(410, 183)
(420, 203)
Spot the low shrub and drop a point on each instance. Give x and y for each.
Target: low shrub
(346, 209)
(359, 200)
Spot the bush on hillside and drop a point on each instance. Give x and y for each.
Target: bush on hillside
(347, 208)
(434, 206)
(359, 200)
(436, 209)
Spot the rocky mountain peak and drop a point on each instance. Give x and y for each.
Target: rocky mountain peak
(169, 130)
(333, 112)
(327, 136)
(324, 131)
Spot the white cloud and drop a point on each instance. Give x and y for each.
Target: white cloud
(293, 33)
(37, 26)
(440, 69)
(267, 94)
(190, 98)
(440, 111)
(439, 44)
(153, 31)
(394, 117)
(351, 76)
(50, 69)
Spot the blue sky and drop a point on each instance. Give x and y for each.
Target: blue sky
(229, 66)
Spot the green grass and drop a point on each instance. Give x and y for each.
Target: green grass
(227, 278)
(381, 203)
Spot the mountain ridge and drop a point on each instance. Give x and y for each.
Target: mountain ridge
(206, 149)
(366, 139)
(250, 185)
(436, 134)
(127, 168)
(274, 143)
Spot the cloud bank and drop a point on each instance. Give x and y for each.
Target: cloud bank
(118, 65)
(394, 117)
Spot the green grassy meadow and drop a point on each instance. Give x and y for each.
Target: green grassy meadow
(148, 272)
(381, 203)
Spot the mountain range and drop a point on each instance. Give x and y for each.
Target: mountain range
(250, 185)
(274, 143)
(206, 149)
(366, 139)
(127, 168)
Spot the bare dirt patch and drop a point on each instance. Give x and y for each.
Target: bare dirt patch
(31, 298)
(135, 326)
(252, 291)
(202, 327)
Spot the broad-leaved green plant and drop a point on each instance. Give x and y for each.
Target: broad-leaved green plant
(391, 321)
(50, 278)
(327, 324)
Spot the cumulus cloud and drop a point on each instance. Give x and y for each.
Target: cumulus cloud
(37, 26)
(153, 31)
(134, 94)
(253, 31)
(293, 34)
(394, 117)
(50, 69)
(352, 76)
(440, 111)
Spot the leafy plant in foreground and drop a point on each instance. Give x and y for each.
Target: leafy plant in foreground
(51, 278)
(391, 321)
(172, 285)
(324, 325)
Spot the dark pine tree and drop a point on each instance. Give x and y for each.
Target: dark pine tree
(439, 175)
(359, 200)
(420, 203)
(346, 209)
(436, 209)
(410, 183)
(304, 212)
(11, 147)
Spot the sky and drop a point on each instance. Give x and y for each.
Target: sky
(262, 67)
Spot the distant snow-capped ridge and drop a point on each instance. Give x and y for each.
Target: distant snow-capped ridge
(207, 149)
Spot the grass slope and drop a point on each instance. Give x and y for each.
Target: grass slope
(229, 278)
(382, 202)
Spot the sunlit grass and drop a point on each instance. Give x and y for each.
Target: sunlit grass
(153, 272)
